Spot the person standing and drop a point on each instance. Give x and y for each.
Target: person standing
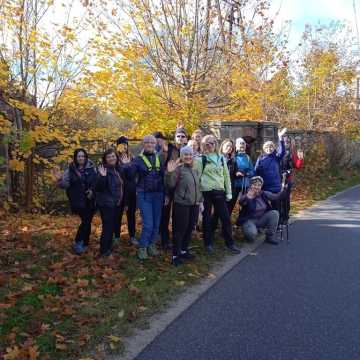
(79, 182)
(243, 169)
(184, 179)
(172, 153)
(268, 166)
(148, 168)
(122, 147)
(215, 185)
(109, 197)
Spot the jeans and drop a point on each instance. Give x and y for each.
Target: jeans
(130, 214)
(84, 230)
(217, 200)
(185, 218)
(269, 221)
(108, 218)
(150, 205)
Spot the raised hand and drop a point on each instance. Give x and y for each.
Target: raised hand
(125, 159)
(251, 193)
(57, 173)
(282, 132)
(102, 170)
(300, 154)
(172, 165)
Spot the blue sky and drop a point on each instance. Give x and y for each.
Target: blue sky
(313, 11)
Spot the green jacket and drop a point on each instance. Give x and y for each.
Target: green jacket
(185, 181)
(215, 176)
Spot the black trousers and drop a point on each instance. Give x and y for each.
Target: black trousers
(130, 214)
(84, 230)
(108, 219)
(230, 205)
(217, 200)
(184, 217)
(284, 209)
(165, 219)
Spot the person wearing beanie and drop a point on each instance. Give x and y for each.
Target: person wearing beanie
(256, 211)
(171, 152)
(183, 179)
(122, 147)
(216, 188)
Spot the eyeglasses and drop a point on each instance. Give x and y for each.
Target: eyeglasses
(181, 136)
(210, 143)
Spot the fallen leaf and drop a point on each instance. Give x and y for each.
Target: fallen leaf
(33, 352)
(114, 338)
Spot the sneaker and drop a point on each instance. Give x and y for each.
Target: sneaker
(186, 255)
(79, 248)
(152, 250)
(134, 241)
(176, 261)
(142, 254)
(233, 249)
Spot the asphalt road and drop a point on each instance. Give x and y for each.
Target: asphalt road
(297, 301)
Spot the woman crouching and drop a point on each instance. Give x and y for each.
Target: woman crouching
(256, 211)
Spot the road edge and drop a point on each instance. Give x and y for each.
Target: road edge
(136, 343)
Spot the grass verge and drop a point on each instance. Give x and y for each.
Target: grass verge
(56, 305)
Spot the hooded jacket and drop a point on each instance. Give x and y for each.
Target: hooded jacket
(77, 182)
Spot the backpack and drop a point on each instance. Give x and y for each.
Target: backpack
(204, 161)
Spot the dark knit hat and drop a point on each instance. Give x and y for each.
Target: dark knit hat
(158, 135)
(122, 140)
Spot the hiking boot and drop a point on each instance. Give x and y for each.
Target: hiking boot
(233, 249)
(176, 261)
(270, 239)
(79, 248)
(142, 254)
(134, 241)
(152, 250)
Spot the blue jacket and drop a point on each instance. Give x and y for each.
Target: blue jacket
(268, 167)
(243, 164)
(76, 183)
(147, 180)
(110, 188)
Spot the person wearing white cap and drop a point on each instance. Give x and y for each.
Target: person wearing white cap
(183, 178)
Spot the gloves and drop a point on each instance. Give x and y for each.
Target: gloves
(228, 197)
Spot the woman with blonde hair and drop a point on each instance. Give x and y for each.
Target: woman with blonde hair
(215, 185)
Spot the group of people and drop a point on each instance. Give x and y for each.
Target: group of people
(184, 180)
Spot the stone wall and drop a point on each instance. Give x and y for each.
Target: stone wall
(340, 151)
